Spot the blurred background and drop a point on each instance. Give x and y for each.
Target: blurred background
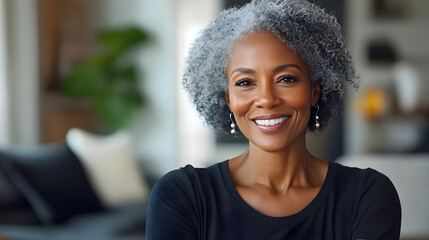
(105, 66)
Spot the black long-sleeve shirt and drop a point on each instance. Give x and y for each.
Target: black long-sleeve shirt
(202, 203)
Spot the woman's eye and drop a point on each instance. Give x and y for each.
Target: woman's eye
(288, 79)
(243, 82)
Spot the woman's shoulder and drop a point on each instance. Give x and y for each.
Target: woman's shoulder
(375, 202)
(175, 202)
(366, 185)
(360, 177)
(188, 178)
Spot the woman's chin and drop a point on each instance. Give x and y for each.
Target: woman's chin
(278, 142)
(271, 147)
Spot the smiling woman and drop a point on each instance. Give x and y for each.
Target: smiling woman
(269, 91)
(275, 69)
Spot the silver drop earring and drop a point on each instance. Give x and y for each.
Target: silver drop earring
(233, 125)
(317, 117)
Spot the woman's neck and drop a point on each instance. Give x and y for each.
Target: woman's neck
(279, 171)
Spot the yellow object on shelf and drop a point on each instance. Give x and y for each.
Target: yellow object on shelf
(373, 104)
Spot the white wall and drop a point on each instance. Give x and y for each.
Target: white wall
(4, 101)
(196, 143)
(155, 133)
(23, 71)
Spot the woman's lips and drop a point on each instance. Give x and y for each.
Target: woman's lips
(270, 123)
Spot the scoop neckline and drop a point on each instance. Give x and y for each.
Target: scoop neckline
(305, 212)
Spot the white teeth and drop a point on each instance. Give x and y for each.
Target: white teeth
(271, 122)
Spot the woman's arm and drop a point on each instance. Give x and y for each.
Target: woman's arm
(379, 210)
(171, 212)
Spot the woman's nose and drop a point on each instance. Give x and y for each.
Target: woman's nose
(267, 97)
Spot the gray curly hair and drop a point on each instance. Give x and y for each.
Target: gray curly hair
(303, 26)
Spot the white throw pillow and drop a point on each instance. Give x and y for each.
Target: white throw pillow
(111, 166)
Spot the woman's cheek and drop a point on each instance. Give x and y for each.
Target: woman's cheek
(240, 102)
(298, 102)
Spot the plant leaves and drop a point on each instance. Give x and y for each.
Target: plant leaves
(119, 41)
(84, 81)
(115, 109)
(112, 83)
(128, 74)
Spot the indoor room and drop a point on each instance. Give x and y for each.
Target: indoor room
(93, 110)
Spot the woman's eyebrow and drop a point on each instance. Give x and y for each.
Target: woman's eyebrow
(276, 69)
(243, 70)
(281, 67)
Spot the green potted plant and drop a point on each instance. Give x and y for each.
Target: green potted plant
(109, 79)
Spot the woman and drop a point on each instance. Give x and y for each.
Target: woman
(273, 69)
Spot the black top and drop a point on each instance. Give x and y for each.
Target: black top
(202, 203)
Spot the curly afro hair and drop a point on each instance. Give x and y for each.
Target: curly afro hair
(304, 27)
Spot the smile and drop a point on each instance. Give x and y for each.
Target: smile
(271, 122)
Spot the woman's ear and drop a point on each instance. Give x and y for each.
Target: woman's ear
(315, 92)
(226, 98)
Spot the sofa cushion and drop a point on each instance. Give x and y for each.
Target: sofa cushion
(123, 223)
(111, 165)
(52, 180)
(10, 196)
(14, 208)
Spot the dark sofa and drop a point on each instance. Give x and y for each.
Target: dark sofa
(45, 194)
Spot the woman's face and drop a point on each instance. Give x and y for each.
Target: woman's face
(269, 91)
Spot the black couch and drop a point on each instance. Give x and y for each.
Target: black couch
(45, 194)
